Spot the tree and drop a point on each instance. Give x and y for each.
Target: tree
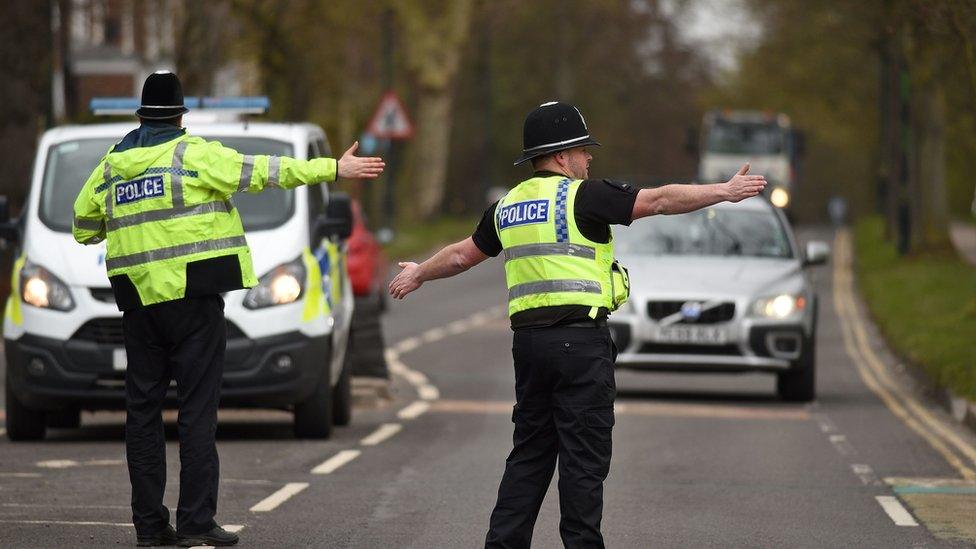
(434, 35)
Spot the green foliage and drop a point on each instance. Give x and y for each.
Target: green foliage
(820, 62)
(414, 240)
(924, 304)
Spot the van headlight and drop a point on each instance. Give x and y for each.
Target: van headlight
(779, 306)
(40, 288)
(780, 197)
(283, 284)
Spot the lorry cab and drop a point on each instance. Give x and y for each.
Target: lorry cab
(287, 337)
(766, 140)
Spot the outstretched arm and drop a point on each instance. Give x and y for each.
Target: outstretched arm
(450, 261)
(675, 199)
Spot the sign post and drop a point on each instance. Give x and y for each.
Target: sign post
(390, 122)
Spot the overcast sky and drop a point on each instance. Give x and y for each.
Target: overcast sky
(721, 28)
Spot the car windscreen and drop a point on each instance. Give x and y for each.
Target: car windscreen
(745, 138)
(706, 232)
(70, 163)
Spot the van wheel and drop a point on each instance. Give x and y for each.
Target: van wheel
(342, 395)
(799, 383)
(313, 417)
(22, 422)
(64, 419)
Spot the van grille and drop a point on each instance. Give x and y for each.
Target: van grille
(108, 331)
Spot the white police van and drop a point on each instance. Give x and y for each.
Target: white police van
(286, 338)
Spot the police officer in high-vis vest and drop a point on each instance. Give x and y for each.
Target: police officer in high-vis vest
(563, 281)
(162, 200)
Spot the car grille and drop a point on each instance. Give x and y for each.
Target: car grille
(108, 331)
(685, 349)
(720, 313)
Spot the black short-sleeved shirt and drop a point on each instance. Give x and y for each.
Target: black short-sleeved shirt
(599, 204)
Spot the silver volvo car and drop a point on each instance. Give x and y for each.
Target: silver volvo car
(723, 289)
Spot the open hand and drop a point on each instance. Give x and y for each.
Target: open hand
(406, 281)
(351, 166)
(743, 186)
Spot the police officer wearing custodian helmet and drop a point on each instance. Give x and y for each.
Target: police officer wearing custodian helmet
(554, 230)
(161, 198)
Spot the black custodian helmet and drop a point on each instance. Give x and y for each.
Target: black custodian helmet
(553, 127)
(162, 97)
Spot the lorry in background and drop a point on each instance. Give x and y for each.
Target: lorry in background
(766, 140)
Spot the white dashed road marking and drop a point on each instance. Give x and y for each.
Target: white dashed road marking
(274, 500)
(384, 432)
(899, 515)
(414, 410)
(866, 474)
(428, 392)
(336, 461)
(435, 334)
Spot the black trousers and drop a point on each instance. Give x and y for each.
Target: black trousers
(182, 340)
(564, 388)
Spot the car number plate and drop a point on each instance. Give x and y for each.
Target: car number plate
(119, 360)
(691, 334)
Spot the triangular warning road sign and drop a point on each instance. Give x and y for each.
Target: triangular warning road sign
(390, 121)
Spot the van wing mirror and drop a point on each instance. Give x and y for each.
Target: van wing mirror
(337, 220)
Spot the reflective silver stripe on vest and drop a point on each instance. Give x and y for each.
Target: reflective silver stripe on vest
(88, 224)
(274, 164)
(107, 174)
(176, 177)
(169, 213)
(553, 286)
(141, 258)
(553, 248)
(247, 167)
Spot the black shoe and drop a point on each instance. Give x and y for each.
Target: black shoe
(166, 537)
(217, 537)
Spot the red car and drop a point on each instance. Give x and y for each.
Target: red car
(366, 261)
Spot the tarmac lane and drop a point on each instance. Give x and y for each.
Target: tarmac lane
(699, 461)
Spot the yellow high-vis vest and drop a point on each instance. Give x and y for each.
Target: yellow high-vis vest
(164, 206)
(548, 261)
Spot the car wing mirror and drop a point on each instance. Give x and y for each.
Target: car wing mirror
(816, 253)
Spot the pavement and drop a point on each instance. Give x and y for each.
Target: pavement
(699, 460)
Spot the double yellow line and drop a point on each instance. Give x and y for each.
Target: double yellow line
(959, 453)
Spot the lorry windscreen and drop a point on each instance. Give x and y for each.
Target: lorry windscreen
(71, 162)
(728, 137)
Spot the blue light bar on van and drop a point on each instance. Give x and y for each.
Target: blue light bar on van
(115, 106)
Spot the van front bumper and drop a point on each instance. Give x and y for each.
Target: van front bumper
(271, 372)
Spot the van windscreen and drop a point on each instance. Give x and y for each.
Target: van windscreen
(70, 163)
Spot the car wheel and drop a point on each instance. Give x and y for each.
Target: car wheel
(22, 422)
(65, 419)
(798, 384)
(342, 395)
(313, 416)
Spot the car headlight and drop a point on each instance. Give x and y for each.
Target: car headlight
(282, 285)
(780, 197)
(779, 306)
(40, 288)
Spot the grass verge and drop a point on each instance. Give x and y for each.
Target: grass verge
(415, 239)
(925, 304)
